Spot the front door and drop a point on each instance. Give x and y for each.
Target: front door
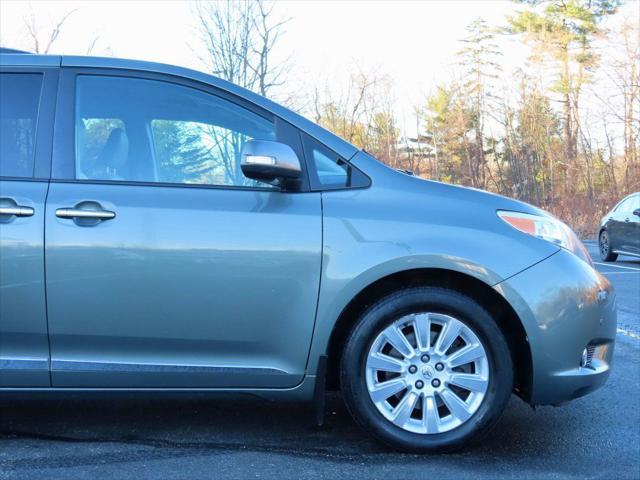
(625, 225)
(631, 227)
(165, 266)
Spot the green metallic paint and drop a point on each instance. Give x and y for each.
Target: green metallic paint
(564, 304)
(225, 279)
(24, 347)
(217, 290)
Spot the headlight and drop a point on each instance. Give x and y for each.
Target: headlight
(547, 228)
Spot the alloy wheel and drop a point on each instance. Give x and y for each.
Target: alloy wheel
(427, 373)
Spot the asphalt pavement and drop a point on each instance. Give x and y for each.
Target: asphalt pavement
(597, 436)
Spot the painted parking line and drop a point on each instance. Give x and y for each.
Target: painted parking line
(617, 266)
(628, 333)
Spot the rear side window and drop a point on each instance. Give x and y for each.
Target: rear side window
(19, 103)
(140, 130)
(629, 205)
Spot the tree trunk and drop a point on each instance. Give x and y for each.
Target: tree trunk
(567, 127)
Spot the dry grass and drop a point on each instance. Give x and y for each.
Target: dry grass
(581, 213)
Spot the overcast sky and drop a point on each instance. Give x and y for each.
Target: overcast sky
(411, 41)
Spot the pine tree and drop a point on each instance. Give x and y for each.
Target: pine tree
(480, 67)
(563, 32)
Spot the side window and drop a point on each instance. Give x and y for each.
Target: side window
(131, 129)
(92, 135)
(19, 100)
(328, 170)
(626, 206)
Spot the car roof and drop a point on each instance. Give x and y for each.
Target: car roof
(12, 58)
(624, 199)
(634, 194)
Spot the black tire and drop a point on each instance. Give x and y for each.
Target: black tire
(604, 245)
(416, 300)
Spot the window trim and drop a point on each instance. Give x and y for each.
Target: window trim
(629, 198)
(63, 158)
(44, 123)
(314, 182)
(134, 183)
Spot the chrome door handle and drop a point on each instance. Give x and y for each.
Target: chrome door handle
(79, 213)
(18, 211)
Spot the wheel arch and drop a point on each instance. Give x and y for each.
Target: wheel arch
(506, 318)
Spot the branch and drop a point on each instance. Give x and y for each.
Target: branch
(56, 30)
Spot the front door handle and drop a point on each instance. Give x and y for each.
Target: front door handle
(18, 211)
(80, 213)
(86, 213)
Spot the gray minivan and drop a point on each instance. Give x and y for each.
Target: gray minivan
(164, 231)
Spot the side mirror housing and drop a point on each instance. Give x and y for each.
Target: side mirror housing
(271, 162)
(636, 212)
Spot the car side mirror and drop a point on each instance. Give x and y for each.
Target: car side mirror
(636, 212)
(271, 162)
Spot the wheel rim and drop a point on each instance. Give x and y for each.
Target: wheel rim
(604, 244)
(427, 373)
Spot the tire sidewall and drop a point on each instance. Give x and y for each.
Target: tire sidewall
(609, 256)
(416, 300)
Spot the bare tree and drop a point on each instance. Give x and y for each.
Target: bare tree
(623, 103)
(43, 41)
(239, 39)
(42, 36)
(361, 112)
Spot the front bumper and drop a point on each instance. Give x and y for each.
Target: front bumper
(565, 306)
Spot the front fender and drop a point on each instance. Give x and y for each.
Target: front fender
(360, 248)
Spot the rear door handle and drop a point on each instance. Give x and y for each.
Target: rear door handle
(18, 211)
(80, 213)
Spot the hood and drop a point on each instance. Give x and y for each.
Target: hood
(384, 176)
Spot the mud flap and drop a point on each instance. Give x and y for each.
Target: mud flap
(319, 392)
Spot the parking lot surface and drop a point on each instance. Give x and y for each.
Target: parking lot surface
(597, 436)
